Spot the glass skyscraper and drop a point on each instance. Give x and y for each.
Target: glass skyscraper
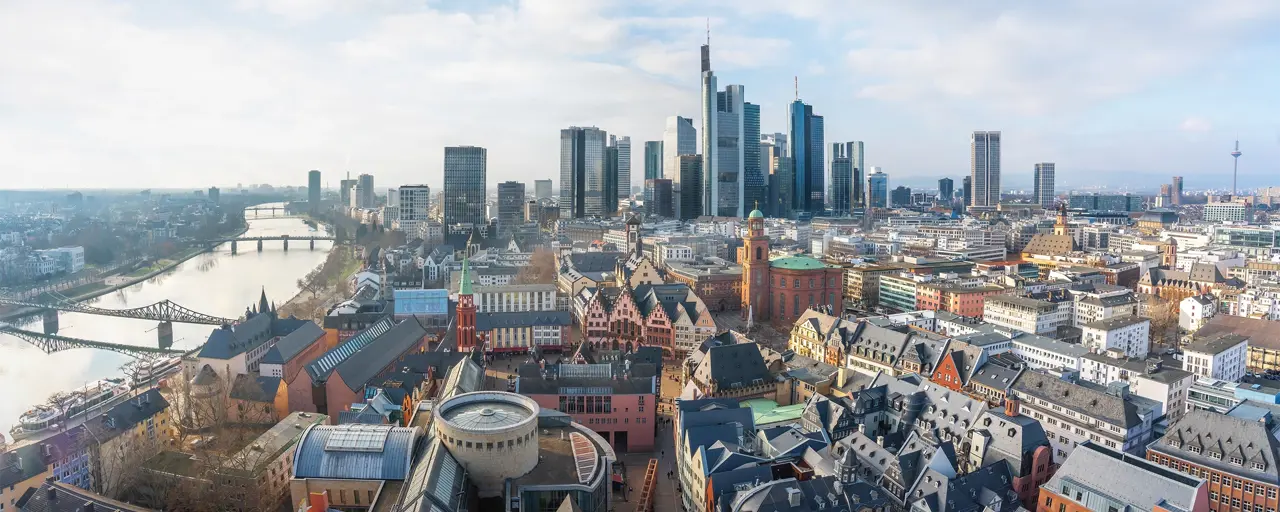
(582, 172)
(652, 160)
(877, 189)
(679, 138)
(755, 194)
(946, 190)
(465, 173)
(984, 160)
(805, 148)
(1042, 193)
(846, 177)
(313, 191)
(510, 205)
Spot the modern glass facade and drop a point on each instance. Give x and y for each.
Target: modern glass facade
(1043, 193)
(984, 163)
(510, 204)
(652, 160)
(755, 185)
(946, 190)
(679, 138)
(582, 172)
(313, 190)
(658, 198)
(877, 189)
(689, 190)
(844, 182)
(898, 293)
(805, 138)
(465, 174)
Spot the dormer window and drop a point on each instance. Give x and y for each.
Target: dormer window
(1237, 461)
(1258, 466)
(1195, 449)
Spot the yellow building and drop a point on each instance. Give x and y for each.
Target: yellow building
(128, 434)
(21, 468)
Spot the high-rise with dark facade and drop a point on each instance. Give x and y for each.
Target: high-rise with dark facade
(984, 167)
(1176, 197)
(542, 189)
(1042, 192)
(966, 189)
(610, 207)
(366, 198)
(679, 138)
(652, 160)
(723, 144)
(623, 183)
(688, 192)
(465, 176)
(755, 187)
(313, 191)
(773, 148)
(582, 172)
(510, 204)
(946, 190)
(900, 196)
(805, 148)
(846, 179)
(658, 198)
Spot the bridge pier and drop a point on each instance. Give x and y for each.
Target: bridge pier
(313, 244)
(233, 248)
(286, 245)
(50, 317)
(259, 245)
(165, 333)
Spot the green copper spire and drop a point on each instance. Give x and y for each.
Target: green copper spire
(465, 287)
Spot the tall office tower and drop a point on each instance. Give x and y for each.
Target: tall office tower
(679, 138)
(510, 205)
(1042, 193)
(772, 147)
(900, 196)
(415, 204)
(658, 200)
(1166, 195)
(688, 190)
(846, 177)
(610, 206)
(313, 191)
(984, 166)
(465, 176)
(346, 192)
(946, 190)
(652, 160)
(542, 189)
(623, 185)
(1177, 190)
(581, 172)
(784, 174)
(877, 189)
(755, 181)
(805, 149)
(723, 122)
(393, 197)
(365, 188)
(966, 189)
(856, 155)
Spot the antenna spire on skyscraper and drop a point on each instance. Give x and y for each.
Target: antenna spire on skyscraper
(1235, 166)
(708, 31)
(797, 83)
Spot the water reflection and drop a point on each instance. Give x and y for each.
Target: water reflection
(216, 283)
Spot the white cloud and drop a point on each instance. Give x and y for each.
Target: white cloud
(1195, 124)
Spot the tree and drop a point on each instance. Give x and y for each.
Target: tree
(1164, 321)
(313, 282)
(540, 270)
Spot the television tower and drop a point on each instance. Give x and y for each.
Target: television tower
(1235, 167)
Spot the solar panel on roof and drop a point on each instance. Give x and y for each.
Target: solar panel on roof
(358, 438)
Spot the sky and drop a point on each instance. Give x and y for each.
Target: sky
(156, 93)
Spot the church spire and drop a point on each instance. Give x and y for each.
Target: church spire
(263, 304)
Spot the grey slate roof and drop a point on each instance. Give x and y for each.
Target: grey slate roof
(392, 462)
(1117, 322)
(1082, 399)
(1216, 343)
(360, 367)
(298, 340)
(815, 494)
(60, 497)
(489, 321)
(1011, 440)
(1135, 482)
(1220, 439)
(732, 366)
(128, 414)
(20, 464)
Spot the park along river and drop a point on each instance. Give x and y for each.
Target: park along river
(215, 283)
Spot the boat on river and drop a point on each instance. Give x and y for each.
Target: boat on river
(69, 407)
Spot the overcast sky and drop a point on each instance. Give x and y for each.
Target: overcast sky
(166, 93)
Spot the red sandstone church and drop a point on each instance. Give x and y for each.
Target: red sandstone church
(782, 289)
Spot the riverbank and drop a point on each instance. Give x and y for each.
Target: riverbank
(308, 306)
(95, 290)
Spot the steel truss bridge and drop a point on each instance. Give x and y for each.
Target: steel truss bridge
(163, 311)
(51, 343)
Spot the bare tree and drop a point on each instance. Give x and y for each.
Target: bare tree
(313, 282)
(540, 270)
(1164, 321)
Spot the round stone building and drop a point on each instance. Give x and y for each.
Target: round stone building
(494, 434)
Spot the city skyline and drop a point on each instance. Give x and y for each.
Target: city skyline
(333, 110)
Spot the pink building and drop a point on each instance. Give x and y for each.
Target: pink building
(622, 409)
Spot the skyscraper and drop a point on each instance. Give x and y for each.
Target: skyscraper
(465, 176)
(313, 191)
(346, 192)
(723, 124)
(393, 197)
(1177, 190)
(966, 189)
(773, 146)
(652, 160)
(623, 146)
(755, 187)
(415, 203)
(679, 138)
(946, 190)
(510, 205)
(364, 189)
(542, 189)
(688, 192)
(581, 172)
(1042, 193)
(900, 197)
(805, 148)
(610, 206)
(984, 167)
(877, 189)
(658, 198)
(856, 155)
(845, 178)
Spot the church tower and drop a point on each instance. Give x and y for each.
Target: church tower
(634, 249)
(1060, 227)
(754, 257)
(466, 311)
(1169, 259)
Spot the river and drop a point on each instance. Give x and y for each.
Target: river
(215, 283)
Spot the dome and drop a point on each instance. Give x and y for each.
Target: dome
(755, 214)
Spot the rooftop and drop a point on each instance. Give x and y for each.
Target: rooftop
(487, 410)
(1216, 343)
(274, 441)
(355, 451)
(560, 462)
(1137, 483)
(1116, 322)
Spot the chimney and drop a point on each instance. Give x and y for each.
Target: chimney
(793, 497)
(862, 428)
(52, 494)
(319, 502)
(1012, 405)
(880, 441)
(88, 506)
(837, 487)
